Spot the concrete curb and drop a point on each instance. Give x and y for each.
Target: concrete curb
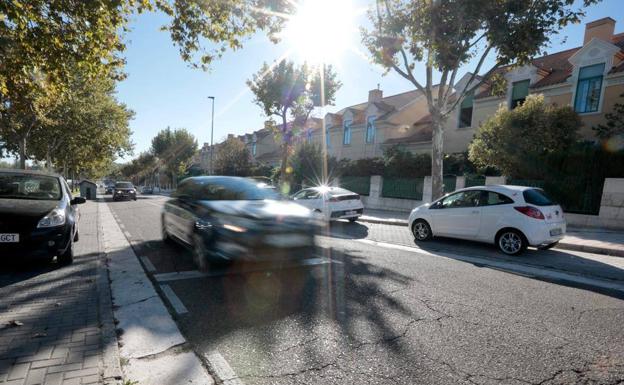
(562, 245)
(151, 346)
(111, 366)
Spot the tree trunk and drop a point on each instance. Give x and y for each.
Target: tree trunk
(285, 139)
(22, 154)
(48, 159)
(437, 156)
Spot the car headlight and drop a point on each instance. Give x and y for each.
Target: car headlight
(54, 218)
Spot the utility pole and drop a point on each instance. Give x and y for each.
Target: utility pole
(212, 136)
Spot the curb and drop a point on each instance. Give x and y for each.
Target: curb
(562, 245)
(111, 359)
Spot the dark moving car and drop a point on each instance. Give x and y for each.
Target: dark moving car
(109, 189)
(124, 190)
(38, 217)
(228, 218)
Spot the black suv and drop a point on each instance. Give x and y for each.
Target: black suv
(38, 216)
(124, 190)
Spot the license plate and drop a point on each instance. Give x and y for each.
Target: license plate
(285, 240)
(350, 212)
(9, 238)
(555, 232)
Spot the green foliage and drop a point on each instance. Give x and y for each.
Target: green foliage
(614, 125)
(307, 165)
(515, 141)
(361, 167)
(233, 158)
(174, 150)
(402, 163)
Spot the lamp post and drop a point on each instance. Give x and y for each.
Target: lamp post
(212, 135)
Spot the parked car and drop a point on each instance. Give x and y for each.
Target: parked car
(229, 218)
(511, 217)
(124, 190)
(331, 202)
(38, 216)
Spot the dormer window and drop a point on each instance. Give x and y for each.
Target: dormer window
(588, 88)
(370, 129)
(465, 111)
(346, 138)
(519, 92)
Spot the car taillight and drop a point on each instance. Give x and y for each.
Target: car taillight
(530, 212)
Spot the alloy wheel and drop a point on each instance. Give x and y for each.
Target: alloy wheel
(510, 243)
(421, 231)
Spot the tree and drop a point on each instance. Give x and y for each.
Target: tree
(442, 37)
(614, 125)
(307, 164)
(174, 149)
(287, 91)
(233, 158)
(516, 141)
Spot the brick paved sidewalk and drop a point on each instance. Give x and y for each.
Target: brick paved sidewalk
(66, 336)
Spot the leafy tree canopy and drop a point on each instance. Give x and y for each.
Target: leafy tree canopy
(174, 149)
(614, 125)
(233, 158)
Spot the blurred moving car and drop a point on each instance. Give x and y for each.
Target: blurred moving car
(124, 190)
(511, 217)
(229, 218)
(331, 202)
(38, 216)
(147, 190)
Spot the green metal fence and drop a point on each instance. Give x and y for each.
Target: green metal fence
(402, 188)
(575, 194)
(358, 184)
(475, 180)
(449, 183)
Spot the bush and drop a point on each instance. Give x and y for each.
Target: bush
(402, 163)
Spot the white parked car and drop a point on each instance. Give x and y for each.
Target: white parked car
(331, 202)
(511, 217)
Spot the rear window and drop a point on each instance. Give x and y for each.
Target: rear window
(537, 197)
(123, 185)
(27, 186)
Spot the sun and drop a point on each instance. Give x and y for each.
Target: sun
(321, 30)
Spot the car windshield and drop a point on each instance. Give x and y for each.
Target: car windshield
(234, 190)
(537, 197)
(123, 185)
(24, 186)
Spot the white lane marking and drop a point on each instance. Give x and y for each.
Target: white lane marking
(148, 264)
(190, 274)
(222, 369)
(541, 272)
(174, 300)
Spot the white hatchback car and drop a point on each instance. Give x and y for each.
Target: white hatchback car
(511, 217)
(331, 202)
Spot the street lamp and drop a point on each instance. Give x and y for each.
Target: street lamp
(212, 135)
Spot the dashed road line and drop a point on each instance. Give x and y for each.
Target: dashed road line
(149, 266)
(174, 300)
(222, 369)
(191, 274)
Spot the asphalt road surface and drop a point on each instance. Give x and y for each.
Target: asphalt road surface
(373, 308)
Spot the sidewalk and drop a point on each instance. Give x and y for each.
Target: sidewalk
(56, 323)
(599, 241)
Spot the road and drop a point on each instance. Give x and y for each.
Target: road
(375, 309)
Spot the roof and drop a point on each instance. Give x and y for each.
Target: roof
(29, 172)
(387, 103)
(557, 66)
(422, 135)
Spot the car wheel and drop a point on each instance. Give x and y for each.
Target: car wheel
(200, 253)
(421, 230)
(352, 220)
(76, 237)
(511, 242)
(68, 256)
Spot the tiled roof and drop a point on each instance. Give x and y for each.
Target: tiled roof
(422, 135)
(557, 66)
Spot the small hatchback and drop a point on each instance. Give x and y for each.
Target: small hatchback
(511, 217)
(331, 202)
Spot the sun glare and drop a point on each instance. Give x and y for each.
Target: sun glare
(321, 30)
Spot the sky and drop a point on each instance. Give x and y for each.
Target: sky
(164, 91)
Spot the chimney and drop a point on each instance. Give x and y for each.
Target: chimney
(375, 95)
(599, 29)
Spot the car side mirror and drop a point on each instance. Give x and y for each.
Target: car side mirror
(437, 205)
(77, 201)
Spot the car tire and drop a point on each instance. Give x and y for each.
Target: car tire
(511, 242)
(200, 257)
(68, 255)
(353, 220)
(421, 230)
(76, 237)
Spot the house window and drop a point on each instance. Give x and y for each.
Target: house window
(370, 129)
(519, 92)
(465, 111)
(588, 88)
(253, 148)
(346, 138)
